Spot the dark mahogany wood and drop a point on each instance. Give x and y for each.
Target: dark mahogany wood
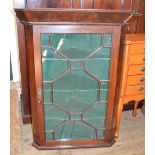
(69, 20)
(81, 4)
(135, 5)
(25, 105)
(75, 146)
(35, 75)
(136, 26)
(111, 112)
(56, 4)
(140, 28)
(71, 15)
(31, 74)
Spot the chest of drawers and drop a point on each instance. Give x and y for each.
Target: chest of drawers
(132, 70)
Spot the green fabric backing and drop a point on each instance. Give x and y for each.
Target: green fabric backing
(66, 100)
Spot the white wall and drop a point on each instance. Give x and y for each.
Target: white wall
(14, 43)
(8, 43)
(8, 40)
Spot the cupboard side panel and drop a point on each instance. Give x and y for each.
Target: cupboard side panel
(31, 71)
(26, 107)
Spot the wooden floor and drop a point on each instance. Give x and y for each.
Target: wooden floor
(130, 141)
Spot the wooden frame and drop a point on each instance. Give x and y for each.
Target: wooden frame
(75, 16)
(35, 73)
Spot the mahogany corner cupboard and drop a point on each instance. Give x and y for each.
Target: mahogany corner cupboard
(72, 66)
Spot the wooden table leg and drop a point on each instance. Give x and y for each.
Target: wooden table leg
(134, 113)
(143, 108)
(118, 118)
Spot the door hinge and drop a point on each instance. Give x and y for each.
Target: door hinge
(39, 95)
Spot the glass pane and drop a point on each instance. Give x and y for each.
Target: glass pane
(75, 91)
(98, 64)
(107, 40)
(76, 46)
(73, 130)
(75, 70)
(45, 39)
(53, 116)
(100, 133)
(95, 115)
(104, 91)
(53, 64)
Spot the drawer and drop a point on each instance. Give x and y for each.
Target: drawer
(137, 48)
(133, 90)
(136, 79)
(137, 59)
(136, 69)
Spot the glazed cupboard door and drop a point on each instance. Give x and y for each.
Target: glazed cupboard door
(75, 74)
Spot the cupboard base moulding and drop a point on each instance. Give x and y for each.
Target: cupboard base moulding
(45, 147)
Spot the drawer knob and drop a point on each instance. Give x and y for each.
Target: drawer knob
(143, 59)
(140, 88)
(142, 79)
(143, 69)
